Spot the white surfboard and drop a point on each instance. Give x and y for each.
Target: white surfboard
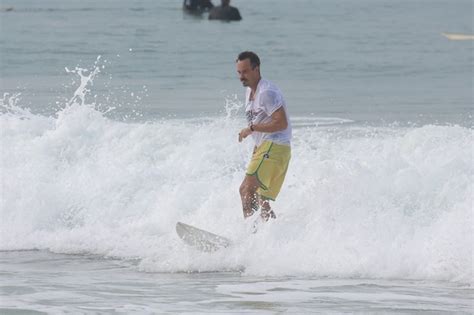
(200, 239)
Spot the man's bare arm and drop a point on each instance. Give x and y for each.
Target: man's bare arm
(278, 123)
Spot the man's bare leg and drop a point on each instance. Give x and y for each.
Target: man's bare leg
(266, 211)
(248, 194)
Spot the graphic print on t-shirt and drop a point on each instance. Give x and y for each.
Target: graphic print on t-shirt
(254, 116)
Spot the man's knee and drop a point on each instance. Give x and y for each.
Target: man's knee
(242, 189)
(248, 187)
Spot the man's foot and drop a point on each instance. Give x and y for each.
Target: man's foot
(267, 215)
(261, 219)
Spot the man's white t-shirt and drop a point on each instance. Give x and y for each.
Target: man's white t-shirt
(268, 98)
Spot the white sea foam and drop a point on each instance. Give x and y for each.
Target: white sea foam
(369, 202)
(384, 202)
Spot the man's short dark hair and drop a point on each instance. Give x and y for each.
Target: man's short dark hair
(254, 60)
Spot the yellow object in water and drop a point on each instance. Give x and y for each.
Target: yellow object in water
(458, 36)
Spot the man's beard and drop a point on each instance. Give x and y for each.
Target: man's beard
(244, 83)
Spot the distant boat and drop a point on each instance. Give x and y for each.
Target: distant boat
(451, 36)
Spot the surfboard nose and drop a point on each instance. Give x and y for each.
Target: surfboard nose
(201, 239)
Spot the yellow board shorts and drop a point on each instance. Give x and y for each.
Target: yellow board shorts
(269, 164)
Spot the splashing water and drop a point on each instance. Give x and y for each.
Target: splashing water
(79, 97)
(358, 201)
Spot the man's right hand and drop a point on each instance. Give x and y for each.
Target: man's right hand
(244, 133)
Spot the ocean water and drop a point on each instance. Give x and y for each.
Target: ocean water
(368, 60)
(120, 119)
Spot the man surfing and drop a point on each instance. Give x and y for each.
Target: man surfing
(270, 128)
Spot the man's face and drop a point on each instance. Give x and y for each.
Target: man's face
(247, 75)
